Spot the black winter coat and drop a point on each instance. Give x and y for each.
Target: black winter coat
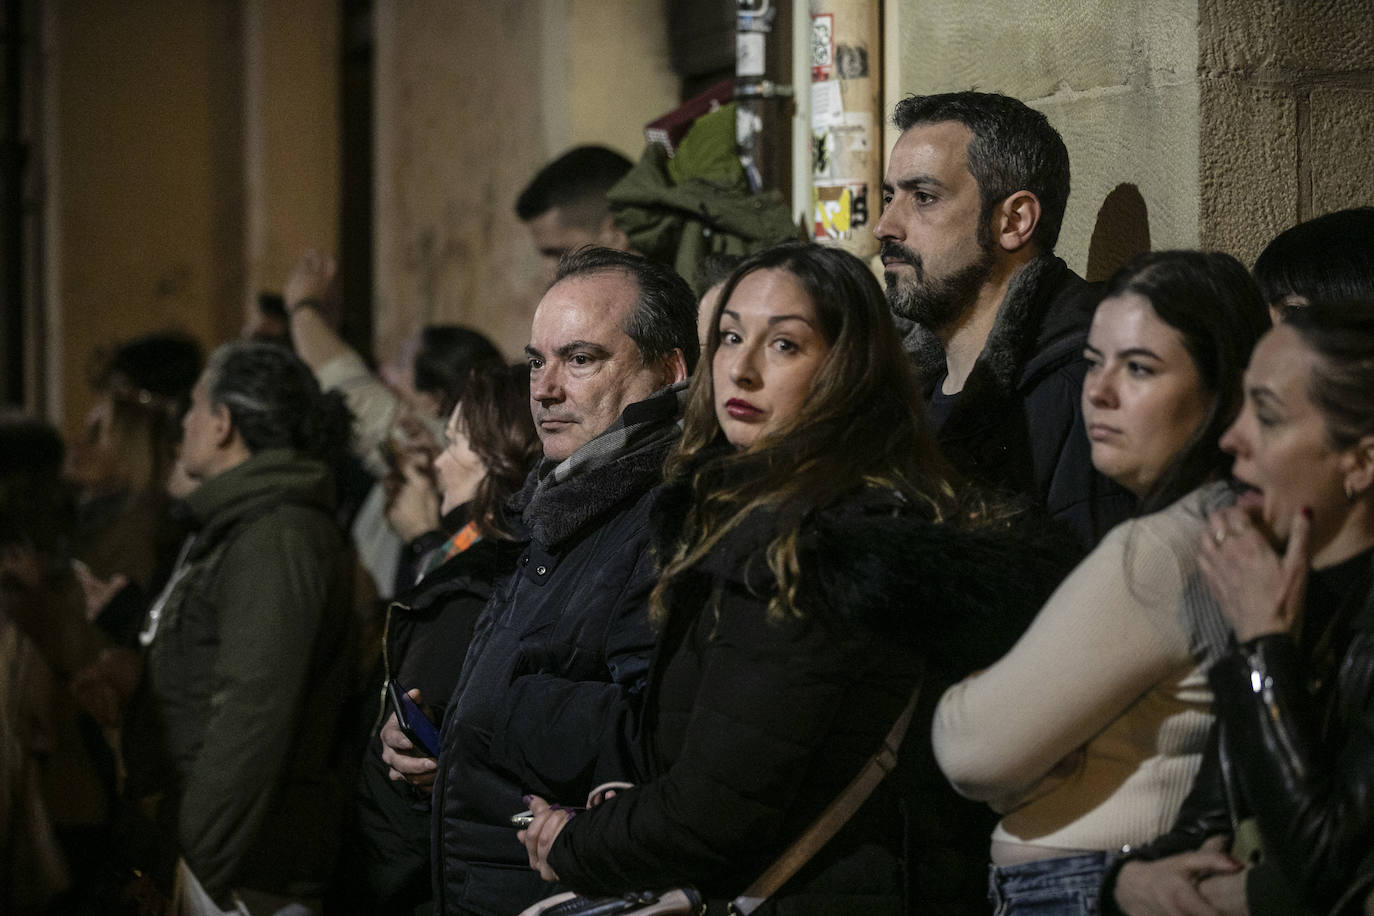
(1296, 754)
(752, 726)
(386, 863)
(560, 644)
(1018, 422)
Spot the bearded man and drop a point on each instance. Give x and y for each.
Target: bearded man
(973, 199)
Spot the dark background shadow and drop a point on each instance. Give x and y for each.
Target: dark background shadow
(1122, 231)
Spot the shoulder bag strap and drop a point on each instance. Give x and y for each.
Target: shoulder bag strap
(832, 818)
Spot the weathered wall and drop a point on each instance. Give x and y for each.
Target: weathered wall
(1189, 122)
(1287, 115)
(472, 98)
(191, 152)
(1117, 78)
(617, 51)
(144, 180)
(291, 121)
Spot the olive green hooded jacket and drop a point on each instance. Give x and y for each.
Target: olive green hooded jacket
(245, 676)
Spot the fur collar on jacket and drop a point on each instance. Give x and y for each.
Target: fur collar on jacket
(555, 514)
(1046, 310)
(963, 594)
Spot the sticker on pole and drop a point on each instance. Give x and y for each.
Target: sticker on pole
(822, 46)
(749, 53)
(839, 209)
(827, 104)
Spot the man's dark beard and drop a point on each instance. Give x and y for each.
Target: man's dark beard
(934, 303)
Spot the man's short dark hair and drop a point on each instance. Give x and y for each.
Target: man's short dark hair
(1014, 148)
(665, 317)
(576, 183)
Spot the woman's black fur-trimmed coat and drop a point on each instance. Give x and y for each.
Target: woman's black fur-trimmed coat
(751, 727)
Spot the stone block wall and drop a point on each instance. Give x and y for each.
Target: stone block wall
(1286, 115)
(1216, 123)
(190, 152)
(1117, 79)
(457, 132)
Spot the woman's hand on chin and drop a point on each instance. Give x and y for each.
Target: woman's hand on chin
(1260, 592)
(538, 837)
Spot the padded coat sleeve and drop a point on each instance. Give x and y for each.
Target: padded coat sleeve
(562, 736)
(770, 697)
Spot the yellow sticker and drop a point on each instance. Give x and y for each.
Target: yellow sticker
(831, 206)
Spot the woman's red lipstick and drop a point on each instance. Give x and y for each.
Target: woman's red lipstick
(741, 409)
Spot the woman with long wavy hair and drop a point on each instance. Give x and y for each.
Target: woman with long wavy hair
(813, 548)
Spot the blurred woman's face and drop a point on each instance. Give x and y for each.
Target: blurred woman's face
(93, 461)
(771, 348)
(1142, 396)
(1284, 458)
(458, 468)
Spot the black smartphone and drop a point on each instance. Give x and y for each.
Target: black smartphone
(412, 720)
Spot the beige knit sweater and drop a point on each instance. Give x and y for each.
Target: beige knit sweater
(1088, 734)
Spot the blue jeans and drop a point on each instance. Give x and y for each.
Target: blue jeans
(1050, 887)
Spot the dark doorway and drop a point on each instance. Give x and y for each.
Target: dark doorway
(355, 217)
(21, 211)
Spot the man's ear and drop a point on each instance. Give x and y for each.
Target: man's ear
(612, 236)
(1014, 221)
(675, 366)
(222, 424)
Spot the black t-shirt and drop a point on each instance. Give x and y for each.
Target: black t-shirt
(940, 405)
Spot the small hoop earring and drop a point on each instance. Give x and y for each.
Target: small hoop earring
(1350, 493)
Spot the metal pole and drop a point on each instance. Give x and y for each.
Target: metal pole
(763, 91)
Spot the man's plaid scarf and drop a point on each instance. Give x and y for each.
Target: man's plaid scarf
(642, 424)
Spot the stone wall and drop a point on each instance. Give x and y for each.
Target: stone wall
(1287, 115)
(1117, 79)
(291, 144)
(143, 180)
(192, 151)
(1189, 122)
(191, 147)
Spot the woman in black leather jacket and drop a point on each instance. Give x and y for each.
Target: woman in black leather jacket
(1287, 788)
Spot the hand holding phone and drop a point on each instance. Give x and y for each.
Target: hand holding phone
(413, 722)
